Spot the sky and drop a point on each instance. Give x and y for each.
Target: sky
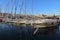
(39, 6)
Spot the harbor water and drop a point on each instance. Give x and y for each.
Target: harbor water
(9, 32)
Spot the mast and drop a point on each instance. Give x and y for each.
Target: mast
(21, 5)
(32, 6)
(7, 7)
(12, 10)
(0, 9)
(32, 10)
(15, 7)
(25, 6)
(25, 10)
(12, 6)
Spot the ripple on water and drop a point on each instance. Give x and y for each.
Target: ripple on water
(10, 32)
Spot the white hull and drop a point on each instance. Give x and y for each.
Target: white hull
(46, 23)
(41, 26)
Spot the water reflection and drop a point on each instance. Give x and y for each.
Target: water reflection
(9, 32)
(48, 30)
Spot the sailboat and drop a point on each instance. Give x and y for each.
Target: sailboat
(47, 21)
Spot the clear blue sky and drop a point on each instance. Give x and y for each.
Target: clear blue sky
(39, 6)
